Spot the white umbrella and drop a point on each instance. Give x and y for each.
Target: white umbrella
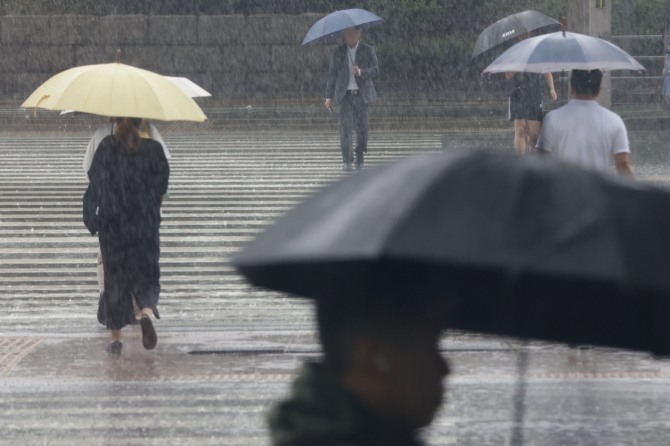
(189, 87)
(563, 51)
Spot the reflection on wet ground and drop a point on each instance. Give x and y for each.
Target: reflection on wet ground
(227, 351)
(68, 388)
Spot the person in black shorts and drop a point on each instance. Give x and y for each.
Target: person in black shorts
(525, 106)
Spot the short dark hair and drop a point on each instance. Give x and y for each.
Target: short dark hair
(586, 82)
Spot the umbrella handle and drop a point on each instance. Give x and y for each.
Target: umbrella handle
(564, 25)
(46, 96)
(522, 360)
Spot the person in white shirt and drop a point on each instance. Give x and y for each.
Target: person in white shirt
(584, 132)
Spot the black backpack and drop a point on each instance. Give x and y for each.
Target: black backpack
(92, 208)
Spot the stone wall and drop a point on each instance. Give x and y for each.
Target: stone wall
(231, 56)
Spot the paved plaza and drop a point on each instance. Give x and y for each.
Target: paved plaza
(227, 351)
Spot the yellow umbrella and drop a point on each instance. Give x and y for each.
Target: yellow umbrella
(116, 89)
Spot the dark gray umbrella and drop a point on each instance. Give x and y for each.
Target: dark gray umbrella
(511, 27)
(528, 247)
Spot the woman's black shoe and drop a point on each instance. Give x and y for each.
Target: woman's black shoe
(149, 337)
(115, 347)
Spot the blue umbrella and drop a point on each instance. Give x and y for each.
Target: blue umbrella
(563, 51)
(329, 28)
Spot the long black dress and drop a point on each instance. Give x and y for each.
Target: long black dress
(131, 188)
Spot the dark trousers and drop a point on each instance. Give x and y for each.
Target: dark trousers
(353, 115)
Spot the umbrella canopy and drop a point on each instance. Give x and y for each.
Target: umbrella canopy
(186, 85)
(189, 87)
(528, 247)
(329, 28)
(563, 51)
(512, 27)
(116, 89)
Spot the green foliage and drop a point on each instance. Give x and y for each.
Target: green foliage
(404, 13)
(421, 40)
(638, 16)
(649, 16)
(432, 40)
(425, 17)
(170, 7)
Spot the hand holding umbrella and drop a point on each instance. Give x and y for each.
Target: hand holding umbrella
(330, 28)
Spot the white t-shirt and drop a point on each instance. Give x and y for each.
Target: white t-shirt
(585, 133)
(353, 84)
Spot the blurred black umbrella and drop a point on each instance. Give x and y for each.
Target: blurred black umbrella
(528, 247)
(511, 27)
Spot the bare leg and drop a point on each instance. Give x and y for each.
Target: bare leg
(116, 345)
(533, 134)
(520, 128)
(136, 308)
(101, 273)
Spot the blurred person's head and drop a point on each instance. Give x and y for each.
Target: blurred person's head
(127, 134)
(352, 36)
(586, 84)
(387, 355)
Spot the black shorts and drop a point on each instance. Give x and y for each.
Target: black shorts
(520, 110)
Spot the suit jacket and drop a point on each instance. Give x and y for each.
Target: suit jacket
(338, 73)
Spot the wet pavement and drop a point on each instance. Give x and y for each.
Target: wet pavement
(227, 351)
(215, 388)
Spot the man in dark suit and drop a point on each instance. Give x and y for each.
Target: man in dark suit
(353, 65)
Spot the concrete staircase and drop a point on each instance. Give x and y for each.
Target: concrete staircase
(224, 188)
(296, 114)
(226, 350)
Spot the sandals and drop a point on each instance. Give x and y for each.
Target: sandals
(149, 337)
(115, 348)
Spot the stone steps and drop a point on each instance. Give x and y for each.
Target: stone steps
(224, 188)
(59, 386)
